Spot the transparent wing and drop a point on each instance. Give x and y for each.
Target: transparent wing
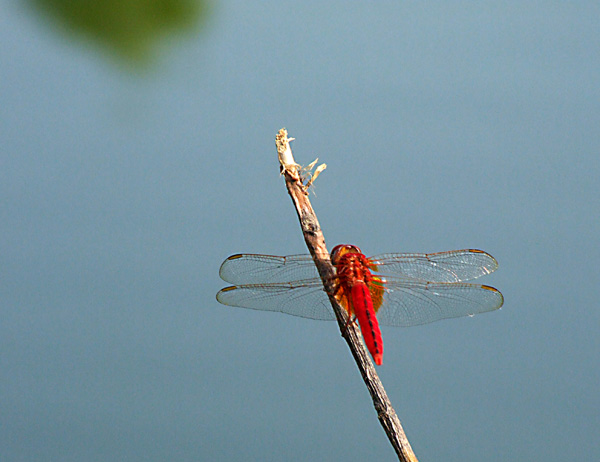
(427, 288)
(453, 266)
(407, 302)
(306, 299)
(267, 269)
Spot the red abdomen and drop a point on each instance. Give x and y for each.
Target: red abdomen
(363, 309)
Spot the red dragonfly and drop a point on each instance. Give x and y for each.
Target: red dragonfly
(412, 289)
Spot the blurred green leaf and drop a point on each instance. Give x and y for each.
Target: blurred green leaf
(132, 29)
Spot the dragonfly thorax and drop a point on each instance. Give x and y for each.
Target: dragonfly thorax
(351, 265)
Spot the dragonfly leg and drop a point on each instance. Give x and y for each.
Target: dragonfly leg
(351, 320)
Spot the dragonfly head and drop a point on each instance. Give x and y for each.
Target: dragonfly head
(340, 250)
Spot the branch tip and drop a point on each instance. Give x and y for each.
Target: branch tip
(284, 152)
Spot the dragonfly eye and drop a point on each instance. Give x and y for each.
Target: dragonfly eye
(342, 249)
(353, 249)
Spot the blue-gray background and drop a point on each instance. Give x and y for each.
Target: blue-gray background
(444, 125)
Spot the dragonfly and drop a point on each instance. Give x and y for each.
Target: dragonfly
(392, 289)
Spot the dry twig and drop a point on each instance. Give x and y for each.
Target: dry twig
(315, 242)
